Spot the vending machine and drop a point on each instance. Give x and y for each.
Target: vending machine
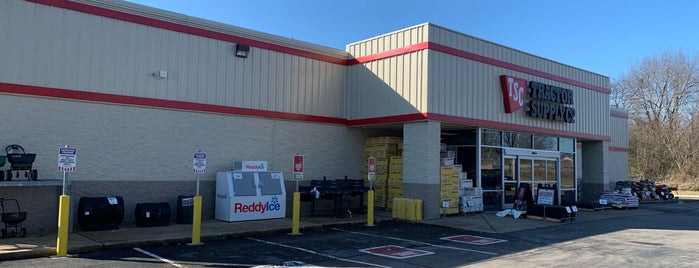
(250, 195)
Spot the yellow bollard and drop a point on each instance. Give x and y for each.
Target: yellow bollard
(63, 216)
(196, 221)
(370, 208)
(296, 213)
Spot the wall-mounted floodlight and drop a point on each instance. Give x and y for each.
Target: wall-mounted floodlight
(162, 74)
(242, 50)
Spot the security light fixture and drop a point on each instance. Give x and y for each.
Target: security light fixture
(242, 50)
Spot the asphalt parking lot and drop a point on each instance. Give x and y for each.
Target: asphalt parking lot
(667, 237)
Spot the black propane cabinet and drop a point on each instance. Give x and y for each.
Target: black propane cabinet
(100, 213)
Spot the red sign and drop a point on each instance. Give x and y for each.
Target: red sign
(372, 164)
(298, 163)
(513, 91)
(472, 239)
(395, 252)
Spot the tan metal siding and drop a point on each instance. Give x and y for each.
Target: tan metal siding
(53, 47)
(619, 132)
(390, 86)
(467, 88)
(398, 39)
(478, 46)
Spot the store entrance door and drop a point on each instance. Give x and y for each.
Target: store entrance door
(518, 169)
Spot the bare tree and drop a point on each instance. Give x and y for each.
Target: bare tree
(661, 96)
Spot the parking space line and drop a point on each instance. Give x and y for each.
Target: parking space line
(159, 258)
(318, 253)
(418, 242)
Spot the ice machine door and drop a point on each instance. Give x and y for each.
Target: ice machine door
(271, 183)
(244, 184)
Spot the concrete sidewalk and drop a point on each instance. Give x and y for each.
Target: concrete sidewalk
(43, 245)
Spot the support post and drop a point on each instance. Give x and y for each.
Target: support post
(63, 216)
(196, 221)
(370, 208)
(296, 213)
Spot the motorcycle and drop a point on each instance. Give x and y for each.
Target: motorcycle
(664, 192)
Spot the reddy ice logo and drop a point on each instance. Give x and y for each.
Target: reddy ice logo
(257, 207)
(260, 166)
(513, 90)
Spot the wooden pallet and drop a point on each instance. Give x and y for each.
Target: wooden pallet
(548, 219)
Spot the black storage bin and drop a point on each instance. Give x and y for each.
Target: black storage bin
(152, 214)
(185, 209)
(100, 213)
(549, 212)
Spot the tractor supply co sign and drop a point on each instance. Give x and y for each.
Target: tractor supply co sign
(395, 252)
(546, 101)
(473, 240)
(66, 159)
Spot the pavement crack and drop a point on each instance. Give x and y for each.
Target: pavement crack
(490, 225)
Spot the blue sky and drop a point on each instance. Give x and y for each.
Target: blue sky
(602, 36)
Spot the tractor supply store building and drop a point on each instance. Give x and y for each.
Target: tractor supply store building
(137, 90)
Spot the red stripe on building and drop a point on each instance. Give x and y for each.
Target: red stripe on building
(618, 149)
(515, 127)
(200, 107)
(514, 67)
(118, 15)
(172, 26)
(619, 114)
(160, 103)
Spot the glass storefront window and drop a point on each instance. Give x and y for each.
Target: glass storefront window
(567, 170)
(567, 145)
(491, 170)
(491, 201)
(525, 170)
(517, 140)
(567, 196)
(545, 143)
(551, 172)
(540, 170)
(490, 137)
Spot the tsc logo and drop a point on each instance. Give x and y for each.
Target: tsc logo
(513, 90)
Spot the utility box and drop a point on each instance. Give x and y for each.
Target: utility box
(250, 195)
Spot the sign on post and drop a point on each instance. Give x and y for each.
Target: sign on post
(298, 167)
(372, 168)
(66, 159)
(199, 165)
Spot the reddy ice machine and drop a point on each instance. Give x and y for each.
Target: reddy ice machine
(250, 195)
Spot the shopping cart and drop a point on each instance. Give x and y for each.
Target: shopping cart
(20, 161)
(12, 218)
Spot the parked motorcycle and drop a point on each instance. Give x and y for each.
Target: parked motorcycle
(664, 192)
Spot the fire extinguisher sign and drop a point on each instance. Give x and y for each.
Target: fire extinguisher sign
(298, 167)
(199, 163)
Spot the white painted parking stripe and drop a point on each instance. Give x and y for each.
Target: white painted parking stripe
(318, 253)
(418, 242)
(159, 258)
